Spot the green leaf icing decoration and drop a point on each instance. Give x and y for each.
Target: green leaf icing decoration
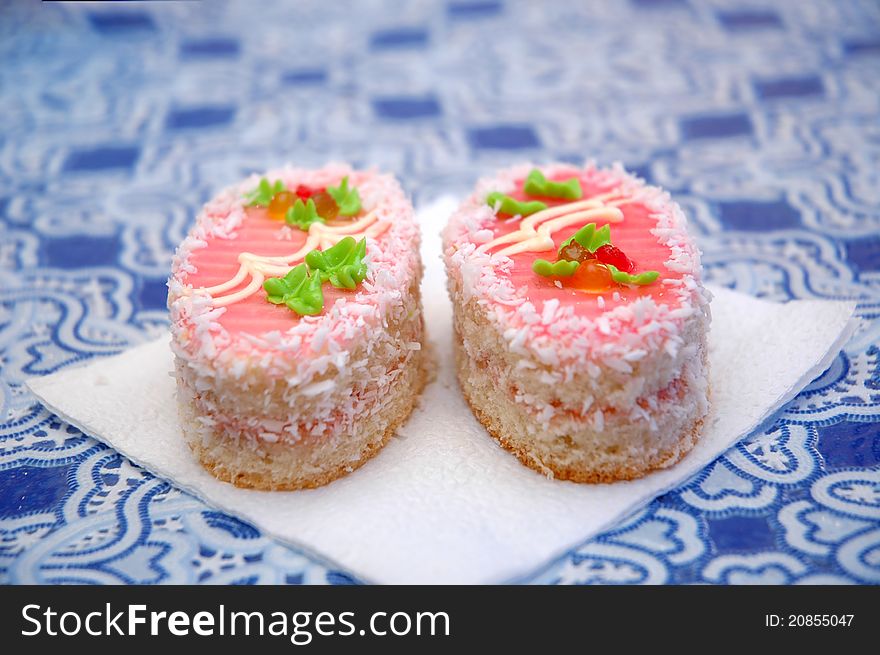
(561, 268)
(298, 290)
(347, 199)
(513, 207)
(538, 185)
(589, 237)
(641, 279)
(262, 195)
(343, 264)
(303, 214)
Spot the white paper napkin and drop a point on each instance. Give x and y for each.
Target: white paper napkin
(442, 503)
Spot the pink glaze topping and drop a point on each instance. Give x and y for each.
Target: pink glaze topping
(211, 330)
(218, 261)
(555, 324)
(632, 235)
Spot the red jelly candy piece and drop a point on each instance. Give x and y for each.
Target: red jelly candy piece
(303, 192)
(613, 255)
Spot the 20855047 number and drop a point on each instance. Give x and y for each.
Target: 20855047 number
(819, 620)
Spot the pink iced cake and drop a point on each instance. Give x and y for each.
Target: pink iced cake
(580, 320)
(296, 325)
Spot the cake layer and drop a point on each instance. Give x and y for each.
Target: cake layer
(233, 454)
(604, 447)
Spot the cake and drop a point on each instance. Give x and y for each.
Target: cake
(296, 325)
(580, 320)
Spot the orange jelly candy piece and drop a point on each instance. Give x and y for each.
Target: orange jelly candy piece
(590, 276)
(280, 203)
(325, 205)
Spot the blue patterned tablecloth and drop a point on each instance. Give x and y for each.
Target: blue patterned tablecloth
(120, 119)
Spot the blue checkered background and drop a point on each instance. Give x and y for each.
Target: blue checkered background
(120, 119)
